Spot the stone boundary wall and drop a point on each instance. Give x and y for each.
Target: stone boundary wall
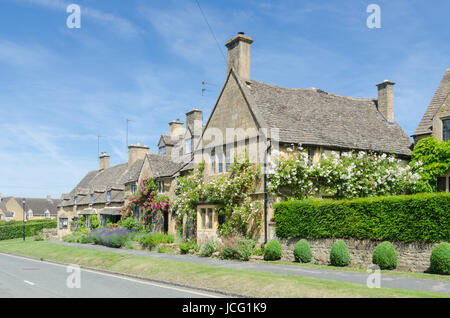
(413, 256)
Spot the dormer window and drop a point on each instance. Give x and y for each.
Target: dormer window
(446, 129)
(92, 198)
(162, 150)
(133, 188)
(75, 200)
(108, 196)
(47, 214)
(29, 214)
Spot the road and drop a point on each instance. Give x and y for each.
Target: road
(21, 277)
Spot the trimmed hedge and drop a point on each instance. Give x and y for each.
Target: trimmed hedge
(407, 218)
(440, 259)
(385, 256)
(302, 252)
(339, 255)
(12, 231)
(272, 251)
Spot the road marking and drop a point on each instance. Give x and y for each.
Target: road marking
(185, 290)
(29, 283)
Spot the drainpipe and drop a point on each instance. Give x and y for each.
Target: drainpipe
(266, 196)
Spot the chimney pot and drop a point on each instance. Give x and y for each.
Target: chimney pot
(136, 152)
(175, 128)
(104, 161)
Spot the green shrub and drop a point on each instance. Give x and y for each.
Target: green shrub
(385, 256)
(208, 249)
(153, 239)
(302, 252)
(236, 247)
(440, 259)
(185, 247)
(162, 249)
(15, 230)
(129, 223)
(272, 251)
(339, 255)
(406, 218)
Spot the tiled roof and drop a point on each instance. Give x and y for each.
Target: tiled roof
(312, 116)
(163, 166)
(39, 206)
(443, 90)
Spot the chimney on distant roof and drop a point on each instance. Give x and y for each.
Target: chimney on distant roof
(104, 161)
(239, 55)
(175, 128)
(136, 152)
(194, 121)
(386, 99)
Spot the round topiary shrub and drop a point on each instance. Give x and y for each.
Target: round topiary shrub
(339, 255)
(385, 256)
(302, 252)
(440, 259)
(272, 251)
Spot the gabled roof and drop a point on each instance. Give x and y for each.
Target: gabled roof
(314, 117)
(443, 90)
(39, 206)
(163, 166)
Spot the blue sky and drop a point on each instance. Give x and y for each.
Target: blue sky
(145, 60)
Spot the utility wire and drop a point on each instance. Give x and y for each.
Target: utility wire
(211, 30)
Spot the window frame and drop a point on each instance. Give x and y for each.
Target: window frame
(108, 196)
(446, 129)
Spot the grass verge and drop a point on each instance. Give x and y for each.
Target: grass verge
(251, 283)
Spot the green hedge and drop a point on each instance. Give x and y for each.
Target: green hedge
(13, 231)
(407, 218)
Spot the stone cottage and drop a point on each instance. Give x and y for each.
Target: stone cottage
(12, 208)
(436, 122)
(264, 119)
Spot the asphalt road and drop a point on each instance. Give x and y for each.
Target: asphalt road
(21, 277)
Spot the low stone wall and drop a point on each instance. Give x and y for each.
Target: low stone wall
(413, 257)
(50, 234)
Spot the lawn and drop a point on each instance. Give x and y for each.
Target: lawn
(250, 283)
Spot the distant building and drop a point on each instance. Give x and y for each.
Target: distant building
(11, 208)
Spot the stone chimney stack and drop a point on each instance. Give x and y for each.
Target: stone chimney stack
(194, 121)
(136, 152)
(386, 99)
(239, 55)
(104, 161)
(175, 128)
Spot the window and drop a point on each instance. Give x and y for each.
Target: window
(220, 155)
(62, 203)
(75, 199)
(162, 150)
(161, 186)
(203, 215)
(92, 198)
(29, 214)
(227, 161)
(133, 188)
(213, 162)
(441, 184)
(108, 196)
(310, 156)
(63, 222)
(189, 145)
(210, 218)
(446, 129)
(136, 213)
(47, 214)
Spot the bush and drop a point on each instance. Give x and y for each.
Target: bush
(12, 230)
(302, 252)
(440, 259)
(130, 223)
(116, 238)
(163, 249)
(339, 255)
(236, 247)
(208, 249)
(385, 256)
(272, 251)
(153, 239)
(407, 218)
(185, 247)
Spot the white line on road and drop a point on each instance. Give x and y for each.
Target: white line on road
(29, 283)
(185, 290)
